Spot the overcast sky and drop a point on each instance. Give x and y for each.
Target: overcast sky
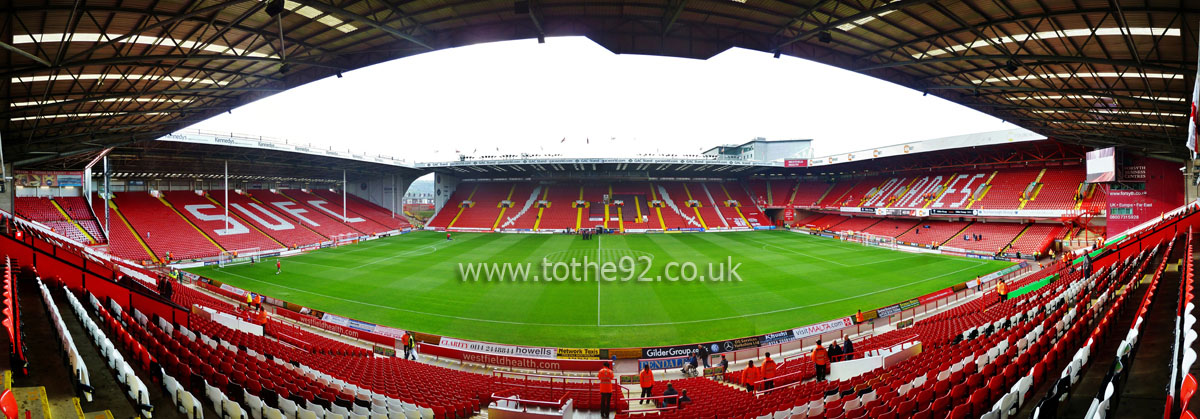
(521, 96)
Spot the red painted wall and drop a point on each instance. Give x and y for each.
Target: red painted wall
(1163, 192)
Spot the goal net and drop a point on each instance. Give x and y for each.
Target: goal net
(868, 239)
(238, 257)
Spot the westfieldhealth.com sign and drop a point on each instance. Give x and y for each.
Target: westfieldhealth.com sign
(585, 269)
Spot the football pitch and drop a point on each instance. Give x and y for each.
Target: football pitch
(768, 281)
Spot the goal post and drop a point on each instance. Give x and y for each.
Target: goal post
(867, 239)
(238, 257)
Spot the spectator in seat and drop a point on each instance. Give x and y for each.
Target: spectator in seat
(750, 375)
(820, 361)
(606, 388)
(670, 391)
(646, 381)
(724, 365)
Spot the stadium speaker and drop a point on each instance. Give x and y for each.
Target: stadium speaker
(274, 8)
(521, 7)
(1011, 66)
(825, 37)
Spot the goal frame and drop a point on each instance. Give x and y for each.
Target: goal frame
(238, 257)
(867, 239)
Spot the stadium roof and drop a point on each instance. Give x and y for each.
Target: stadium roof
(83, 76)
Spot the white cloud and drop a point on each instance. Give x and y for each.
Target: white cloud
(522, 96)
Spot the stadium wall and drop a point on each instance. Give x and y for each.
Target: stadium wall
(1149, 188)
(443, 188)
(385, 190)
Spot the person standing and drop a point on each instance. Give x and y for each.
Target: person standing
(258, 301)
(848, 349)
(820, 361)
(646, 381)
(606, 388)
(249, 300)
(835, 351)
(278, 266)
(768, 372)
(406, 340)
(703, 354)
(448, 236)
(1002, 290)
(751, 375)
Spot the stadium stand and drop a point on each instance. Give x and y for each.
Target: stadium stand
(992, 237)
(209, 216)
(809, 192)
(855, 224)
(46, 211)
(837, 194)
(79, 211)
(333, 209)
(892, 227)
(163, 229)
(759, 191)
(827, 221)
(781, 192)
(482, 215)
(933, 233)
(747, 206)
(270, 220)
(301, 214)
(1037, 238)
(122, 241)
(1055, 189)
(365, 209)
(1004, 190)
(561, 214)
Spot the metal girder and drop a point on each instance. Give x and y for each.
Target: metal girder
(1044, 59)
(893, 6)
(22, 53)
(145, 60)
(340, 12)
(1026, 17)
(673, 14)
(1010, 89)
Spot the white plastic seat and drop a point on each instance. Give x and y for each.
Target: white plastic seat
(361, 410)
(306, 414)
(272, 413)
(254, 404)
(231, 409)
(288, 407)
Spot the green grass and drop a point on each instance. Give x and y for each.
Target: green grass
(788, 280)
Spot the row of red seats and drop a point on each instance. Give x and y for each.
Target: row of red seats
(311, 342)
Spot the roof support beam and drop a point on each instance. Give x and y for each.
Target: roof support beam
(897, 5)
(337, 11)
(672, 15)
(1044, 59)
(22, 53)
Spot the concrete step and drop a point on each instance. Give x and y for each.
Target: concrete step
(34, 401)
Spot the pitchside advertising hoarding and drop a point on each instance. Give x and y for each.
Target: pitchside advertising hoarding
(498, 349)
(539, 363)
